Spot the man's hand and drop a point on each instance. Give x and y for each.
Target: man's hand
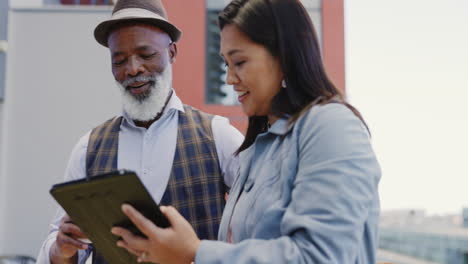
(67, 243)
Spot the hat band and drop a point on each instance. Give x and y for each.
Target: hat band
(136, 12)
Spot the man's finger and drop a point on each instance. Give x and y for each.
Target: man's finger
(141, 222)
(72, 230)
(68, 241)
(66, 219)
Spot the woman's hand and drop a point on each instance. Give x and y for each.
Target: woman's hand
(176, 244)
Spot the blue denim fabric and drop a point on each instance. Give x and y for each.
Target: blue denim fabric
(307, 193)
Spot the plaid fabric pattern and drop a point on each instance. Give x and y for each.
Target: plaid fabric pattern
(101, 156)
(196, 186)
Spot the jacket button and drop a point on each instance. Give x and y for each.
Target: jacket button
(248, 185)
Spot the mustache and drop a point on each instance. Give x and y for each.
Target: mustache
(133, 80)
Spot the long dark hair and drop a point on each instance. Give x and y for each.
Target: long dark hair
(285, 29)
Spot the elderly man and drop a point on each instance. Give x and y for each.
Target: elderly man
(183, 156)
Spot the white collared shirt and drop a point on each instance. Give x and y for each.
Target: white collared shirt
(150, 153)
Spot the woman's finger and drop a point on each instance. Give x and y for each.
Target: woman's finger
(142, 223)
(168, 211)
(142, 255)
(123, 244)
(172, 215)
(131, 240)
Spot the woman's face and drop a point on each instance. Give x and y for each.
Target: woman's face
(255, 74)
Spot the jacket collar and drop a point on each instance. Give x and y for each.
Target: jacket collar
(281, 127)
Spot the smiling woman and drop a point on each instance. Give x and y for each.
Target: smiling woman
(217, 91)
(252, 70)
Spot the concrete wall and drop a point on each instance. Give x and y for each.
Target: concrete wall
(3, 44)
(3, 37)
(59, 85)
(2, 179)
(26, 3)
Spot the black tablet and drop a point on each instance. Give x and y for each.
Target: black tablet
(94, 205)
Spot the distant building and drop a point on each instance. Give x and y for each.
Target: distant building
(439, 239)
(465, 217)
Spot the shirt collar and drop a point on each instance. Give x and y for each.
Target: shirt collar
(174, 104)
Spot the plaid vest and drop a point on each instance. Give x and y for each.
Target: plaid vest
(196, 186)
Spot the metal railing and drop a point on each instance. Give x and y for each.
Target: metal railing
(15, 259)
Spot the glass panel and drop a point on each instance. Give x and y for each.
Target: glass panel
(217, 92)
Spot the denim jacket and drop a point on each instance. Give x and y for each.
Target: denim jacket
(307, 193)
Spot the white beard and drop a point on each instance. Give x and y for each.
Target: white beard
(148, 108)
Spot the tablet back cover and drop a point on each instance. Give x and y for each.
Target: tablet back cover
(95, 206)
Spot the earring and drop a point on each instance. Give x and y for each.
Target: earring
(283, 84)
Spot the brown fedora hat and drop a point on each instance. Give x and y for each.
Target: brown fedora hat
(146, 11)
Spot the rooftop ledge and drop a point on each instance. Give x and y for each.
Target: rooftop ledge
(65, 8)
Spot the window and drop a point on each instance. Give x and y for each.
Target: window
(217, 91)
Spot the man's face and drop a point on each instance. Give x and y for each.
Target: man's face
(139, 52)
(141, 64)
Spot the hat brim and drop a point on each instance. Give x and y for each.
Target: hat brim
(101, 32)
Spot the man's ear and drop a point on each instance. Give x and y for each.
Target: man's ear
(172, 52)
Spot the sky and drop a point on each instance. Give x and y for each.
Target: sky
(407, 72)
